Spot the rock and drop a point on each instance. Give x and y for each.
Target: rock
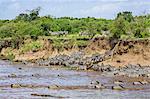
(50, 96)
(118, 87)
(30, 86)
(53, 87)
(118, 82)
(27, 86)
(136, 83)
(12, 76)
(15, 85)
(42, 95)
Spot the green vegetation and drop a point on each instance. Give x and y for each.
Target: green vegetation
(9, 54)
(76, 30)
(31, 46)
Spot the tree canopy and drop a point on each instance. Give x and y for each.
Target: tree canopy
(31, 24)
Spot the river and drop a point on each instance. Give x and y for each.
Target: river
(41, 77)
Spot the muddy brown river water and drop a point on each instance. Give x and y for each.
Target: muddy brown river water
(41, 83)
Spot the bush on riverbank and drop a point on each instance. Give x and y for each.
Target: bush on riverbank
(31, 46)
(9, 54)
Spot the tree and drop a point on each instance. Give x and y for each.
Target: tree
(118, 27)
(34, 13)
(140, 27)
(126, 15)
(22, 16)
(7, 30)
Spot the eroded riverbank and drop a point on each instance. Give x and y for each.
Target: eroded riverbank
(98, 70)
(22, 81)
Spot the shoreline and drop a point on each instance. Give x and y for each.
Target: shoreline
(129, 58)
(101, 80)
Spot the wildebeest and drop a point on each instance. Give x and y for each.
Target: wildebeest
(59, 33)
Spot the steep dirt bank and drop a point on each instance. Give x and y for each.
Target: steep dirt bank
(130, 52)
(115, 53)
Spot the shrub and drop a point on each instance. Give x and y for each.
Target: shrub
(31, 46)
(9, 54)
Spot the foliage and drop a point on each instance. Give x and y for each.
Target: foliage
(9, 54)
(31, 46)
(33, 14)
(118, 27)
(31, 24)
(126, 15)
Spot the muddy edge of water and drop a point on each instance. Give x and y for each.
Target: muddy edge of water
(114, 79)
(33, 81)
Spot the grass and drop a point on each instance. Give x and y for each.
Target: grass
(69, 36)
(59, 42)
(9, 54)
(67, 41)
(31, 46)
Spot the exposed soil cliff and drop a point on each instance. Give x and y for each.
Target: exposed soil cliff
(115, 53)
